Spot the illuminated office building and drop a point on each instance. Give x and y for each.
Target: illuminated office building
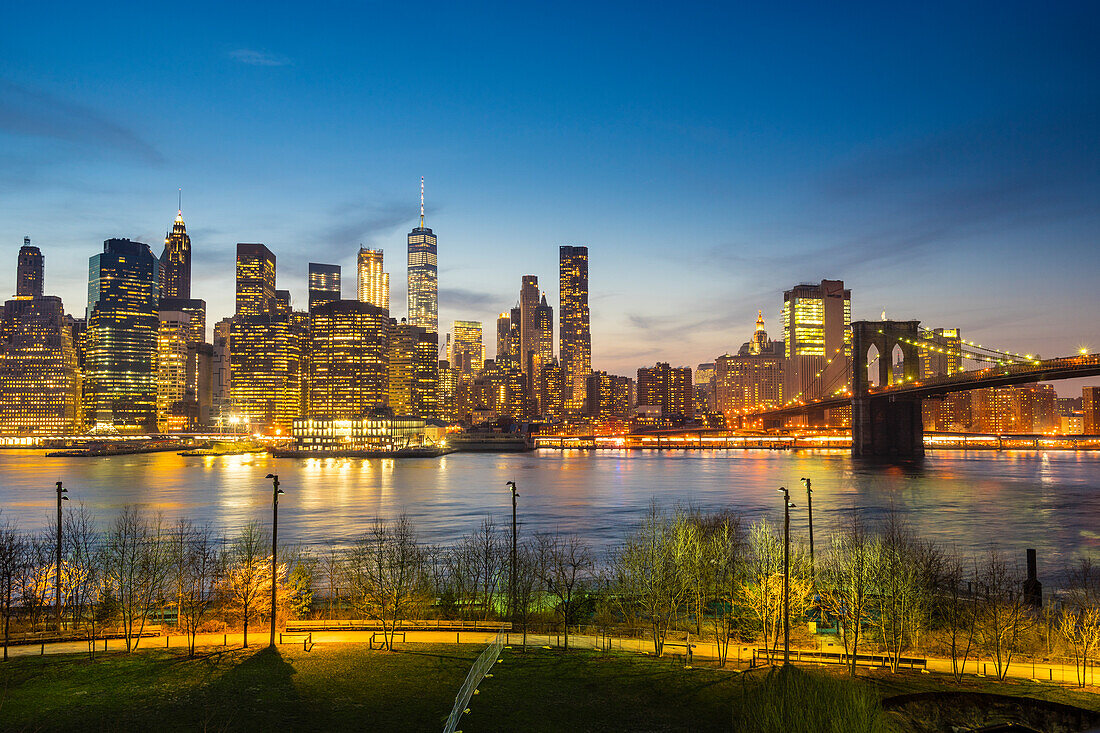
(423, 275)
(374, 284)
(29, 271)
(544, 334)
(669, 388)
(817, 340)
(175, 262)
(467, 352)
(123, 285)
(266, 372)
(255, 280)
(1090, 410)
(575, 338)
(501, 391)
(349, 371)
(448, 391)
(172, 338)
(704, 388)
(751, 379)
(221, 394)
(504, 327)
(413, 365)
(608, 398)
(551, 396)
(40, 387)
(324, 284)
(942, 356)
(196, 312)
(528, 302)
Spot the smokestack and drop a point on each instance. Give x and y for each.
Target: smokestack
(1033, 589)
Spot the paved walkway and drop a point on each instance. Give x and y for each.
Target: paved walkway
(739, 656)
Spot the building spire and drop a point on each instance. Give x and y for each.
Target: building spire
(421, 202)
(179, 208)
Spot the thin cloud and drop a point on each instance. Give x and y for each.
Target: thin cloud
(251, 57)
(32, 113)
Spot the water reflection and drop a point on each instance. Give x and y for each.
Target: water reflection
(1017, 499)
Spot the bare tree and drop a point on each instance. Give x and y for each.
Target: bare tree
(845, 581)
(248, 573)
(12, 556)
(36, 577)
(389, 574)
(724, 556)
(200, 574)
(136, 567)
(526, 587)
(564, 566)
(762, 588)
(84, 576)
(646, 576)
(901, 597)
(486, 548)
(1079, 622)
(959, 616)
(1004, 615)
(333, 562)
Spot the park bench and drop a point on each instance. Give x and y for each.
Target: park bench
(687, 647)
(305, 636)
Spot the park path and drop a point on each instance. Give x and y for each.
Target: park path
(740, 656)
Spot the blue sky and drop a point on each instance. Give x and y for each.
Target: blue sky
(942, 159)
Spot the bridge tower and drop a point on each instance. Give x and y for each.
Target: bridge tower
(885, 425)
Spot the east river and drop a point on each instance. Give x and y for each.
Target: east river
(1014, 500)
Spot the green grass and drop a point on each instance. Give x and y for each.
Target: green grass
(344, 687)
(350, 687)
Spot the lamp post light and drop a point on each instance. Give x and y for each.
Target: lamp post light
(787, 506)
(275, 491)
(512, 485)
(61, 491)
(810, 512)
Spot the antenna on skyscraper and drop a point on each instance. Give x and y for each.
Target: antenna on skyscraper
(180, 207)
(421, 202)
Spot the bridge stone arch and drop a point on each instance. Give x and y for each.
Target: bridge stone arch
(884, 424)
(884, 336)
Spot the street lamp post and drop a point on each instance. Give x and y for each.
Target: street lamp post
(810, 512)
(61, 491)
(275, 491)
(787, 506)
(512, 485)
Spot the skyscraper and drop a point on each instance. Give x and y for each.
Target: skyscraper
(39, 378)
(172, 339)
(255, 280)
(123, 285)
(751, 379)
(528, 302)
(324, 284)
(575, 339)
(669, 388)
(1090, 410)
(374, 284)
(423, 275)
(413, 367)
(943, 357)
(175, 261)
(467, 352)
(817, 340)
(504, 326)
(29, 271)
(348, 366)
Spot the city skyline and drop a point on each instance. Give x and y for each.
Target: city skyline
(732, 173)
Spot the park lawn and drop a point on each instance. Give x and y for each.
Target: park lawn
(351, 687)
(337, 687)
(552, 690)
